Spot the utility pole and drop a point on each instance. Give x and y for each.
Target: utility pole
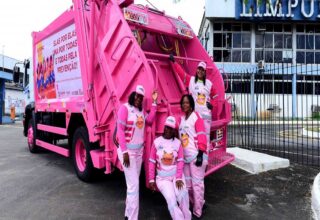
(3, 58)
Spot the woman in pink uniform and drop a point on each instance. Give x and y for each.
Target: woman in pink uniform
(167, 158)
(193, 139)
(130, 133)
(201, 90)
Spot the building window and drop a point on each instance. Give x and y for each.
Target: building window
(238, 83)
(232, 42)
(273, 84)
(273, 43)
(308, 44)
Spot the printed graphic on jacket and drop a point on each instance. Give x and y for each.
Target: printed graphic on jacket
(184, 140)
(167, 158)
(139, 122)
(201, 99)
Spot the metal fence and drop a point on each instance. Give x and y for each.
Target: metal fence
(276, 110)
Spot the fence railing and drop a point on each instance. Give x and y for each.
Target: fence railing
(277, 110)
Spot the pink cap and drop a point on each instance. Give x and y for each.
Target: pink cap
(171, 122)
(140, 90)
(202, 65)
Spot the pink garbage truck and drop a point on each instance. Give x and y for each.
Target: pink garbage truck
(88, 61)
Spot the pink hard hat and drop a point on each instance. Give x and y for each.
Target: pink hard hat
(170, 122)
(202, 65)
(140, 90)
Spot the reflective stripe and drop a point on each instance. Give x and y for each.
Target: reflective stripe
(129, 126)
(122, 122)
(189, 159)
(201, 132)
(206, 116)
(188, 177)
(197, 180)
(134, 146)
(163, 173)
(151, 160)
(171, 207)
(132, 193)
(180, 159)
(182, 195)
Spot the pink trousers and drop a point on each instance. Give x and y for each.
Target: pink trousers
(132, 174)
(195, 184)
(207, 126)
(177, 200)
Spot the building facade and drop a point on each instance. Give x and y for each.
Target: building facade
(240, 31)
(12, 94)
(246, 34)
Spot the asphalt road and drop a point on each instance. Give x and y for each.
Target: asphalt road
(44, 186)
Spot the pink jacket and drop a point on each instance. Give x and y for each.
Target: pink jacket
(167, 156)
(127, 132)
(185, 77)
(192, 135)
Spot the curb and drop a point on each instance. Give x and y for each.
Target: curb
(255, 162)
(315, 198)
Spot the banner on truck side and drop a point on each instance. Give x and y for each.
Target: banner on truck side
(58, 73)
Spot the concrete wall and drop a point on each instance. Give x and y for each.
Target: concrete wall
(14, 98)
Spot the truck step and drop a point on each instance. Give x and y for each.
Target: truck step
(52, 129)
(218, 159)
(54, 148)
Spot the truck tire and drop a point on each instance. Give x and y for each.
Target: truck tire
(81, 155)
(31, 137)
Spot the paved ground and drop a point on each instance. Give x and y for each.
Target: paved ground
(44, 186)
(284, 140)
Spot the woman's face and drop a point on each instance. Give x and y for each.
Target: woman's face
(201, 73)
(138, 99)
(168, 132)
(186, 107)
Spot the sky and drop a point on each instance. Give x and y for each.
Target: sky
(19, 18)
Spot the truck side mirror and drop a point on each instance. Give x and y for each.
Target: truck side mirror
(16, 73)
(26, 64)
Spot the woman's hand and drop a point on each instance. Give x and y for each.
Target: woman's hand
(199, 159)
(126, 160)
(152, 186)
(179, 184)
(171, 58)
(155, 96)
(209, 106)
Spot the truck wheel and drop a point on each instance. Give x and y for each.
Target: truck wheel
(31, 137)
(81, 155)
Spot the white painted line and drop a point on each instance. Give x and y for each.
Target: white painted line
(10, 126)
(311, 134)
